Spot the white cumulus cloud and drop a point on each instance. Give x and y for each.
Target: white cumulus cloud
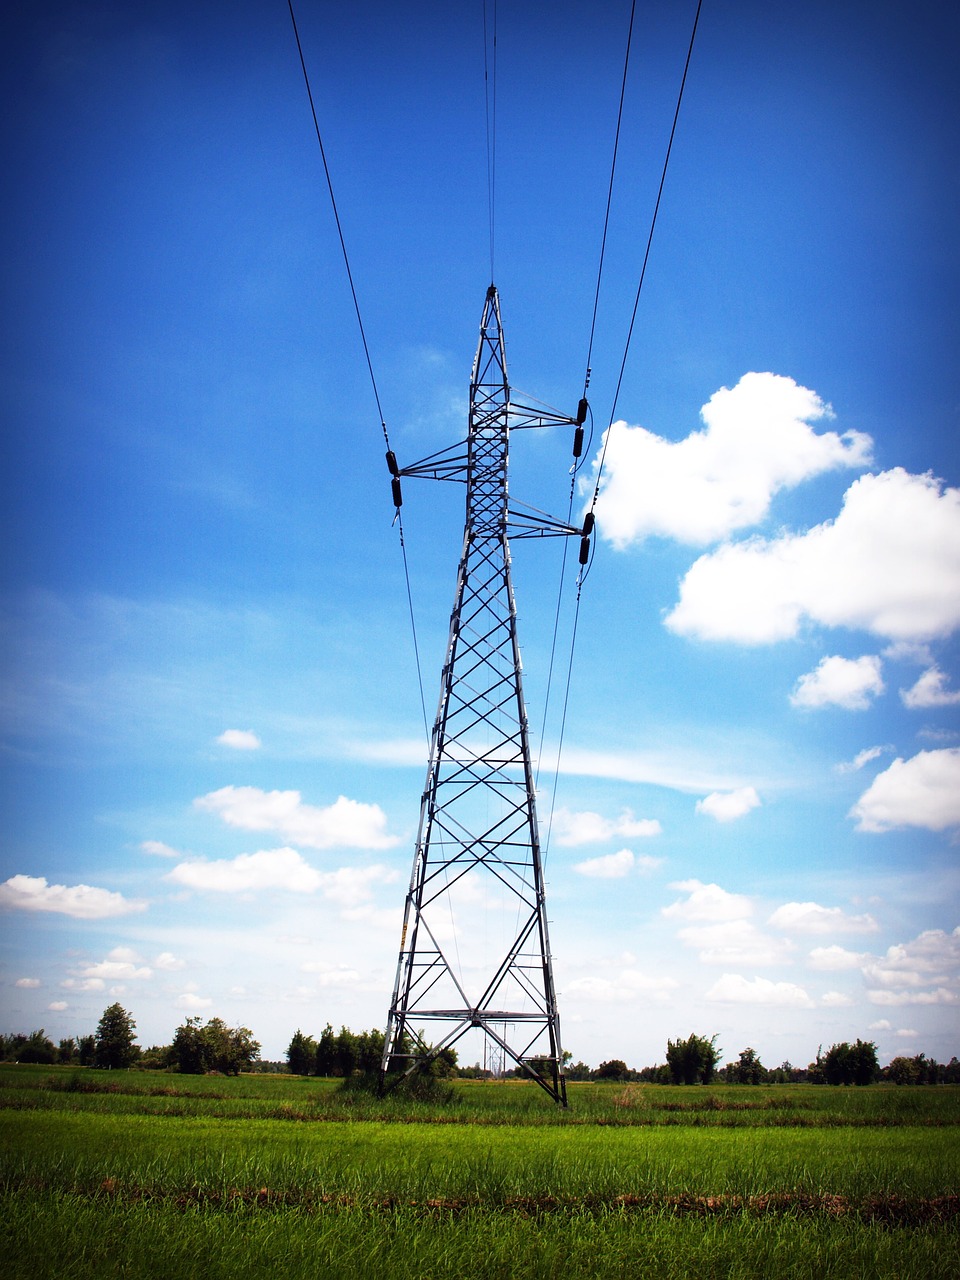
(347, 823)
(612, 866)
(284, 869)
(706, 902)
(81, 901)
(119, 966)
(193, 1003)
(250, 872)
(810, 917)
(889, 563)
(27, 984)
(923, 791)
(931, 959)
(756, 441)
(930, 691)
(733, 988)
(896, 998)
(571, 828)
(240, 740)
(835, 959)
(727, 806)
(840, 682)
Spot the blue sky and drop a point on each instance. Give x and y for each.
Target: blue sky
(212, 739)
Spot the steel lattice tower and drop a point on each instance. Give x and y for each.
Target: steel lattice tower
(475, 949)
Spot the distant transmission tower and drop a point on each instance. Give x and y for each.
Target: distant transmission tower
(475, 950)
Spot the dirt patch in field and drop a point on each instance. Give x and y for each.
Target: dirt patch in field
(892, 1210)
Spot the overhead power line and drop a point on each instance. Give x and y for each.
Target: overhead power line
(646, 255)
(366, 351)
(336, 216)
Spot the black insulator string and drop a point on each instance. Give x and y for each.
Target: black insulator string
(606, 216)
(646, 256)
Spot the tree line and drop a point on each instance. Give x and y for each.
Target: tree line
(196, 1049)
(199, 1048)
(696, 1061)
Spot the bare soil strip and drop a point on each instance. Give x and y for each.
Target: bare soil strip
(891, 1210)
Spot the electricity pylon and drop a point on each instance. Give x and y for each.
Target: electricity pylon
(475, 948)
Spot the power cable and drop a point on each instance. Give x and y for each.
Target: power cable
(606, 216)
(366, 351)
(336, 216)
(646, 255)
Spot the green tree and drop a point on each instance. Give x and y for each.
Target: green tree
(694, 1060)
(115, 1046)
(87, 1050)
(189, 1048)
(851, 1064)
(370, 1050)
(326, 1051)
(37, 1047)
(213, 1047)
(902, 1070)
(579, 1071)
(157, 1058)
(67, 1051)
(748, 1069)
(301, 1054)
(615, 1069)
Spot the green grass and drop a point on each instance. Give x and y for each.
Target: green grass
(513, 1102)
(48, 1235)
(149, 1174)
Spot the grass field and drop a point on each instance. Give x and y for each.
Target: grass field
(148, 1174)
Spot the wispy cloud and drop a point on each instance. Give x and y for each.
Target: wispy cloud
(614, 866)
(861, 758)
(733, 988)
(239, 739)
(734, 942)
(810, 917)
(157, 849)
(569, 828)
(625, 986)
